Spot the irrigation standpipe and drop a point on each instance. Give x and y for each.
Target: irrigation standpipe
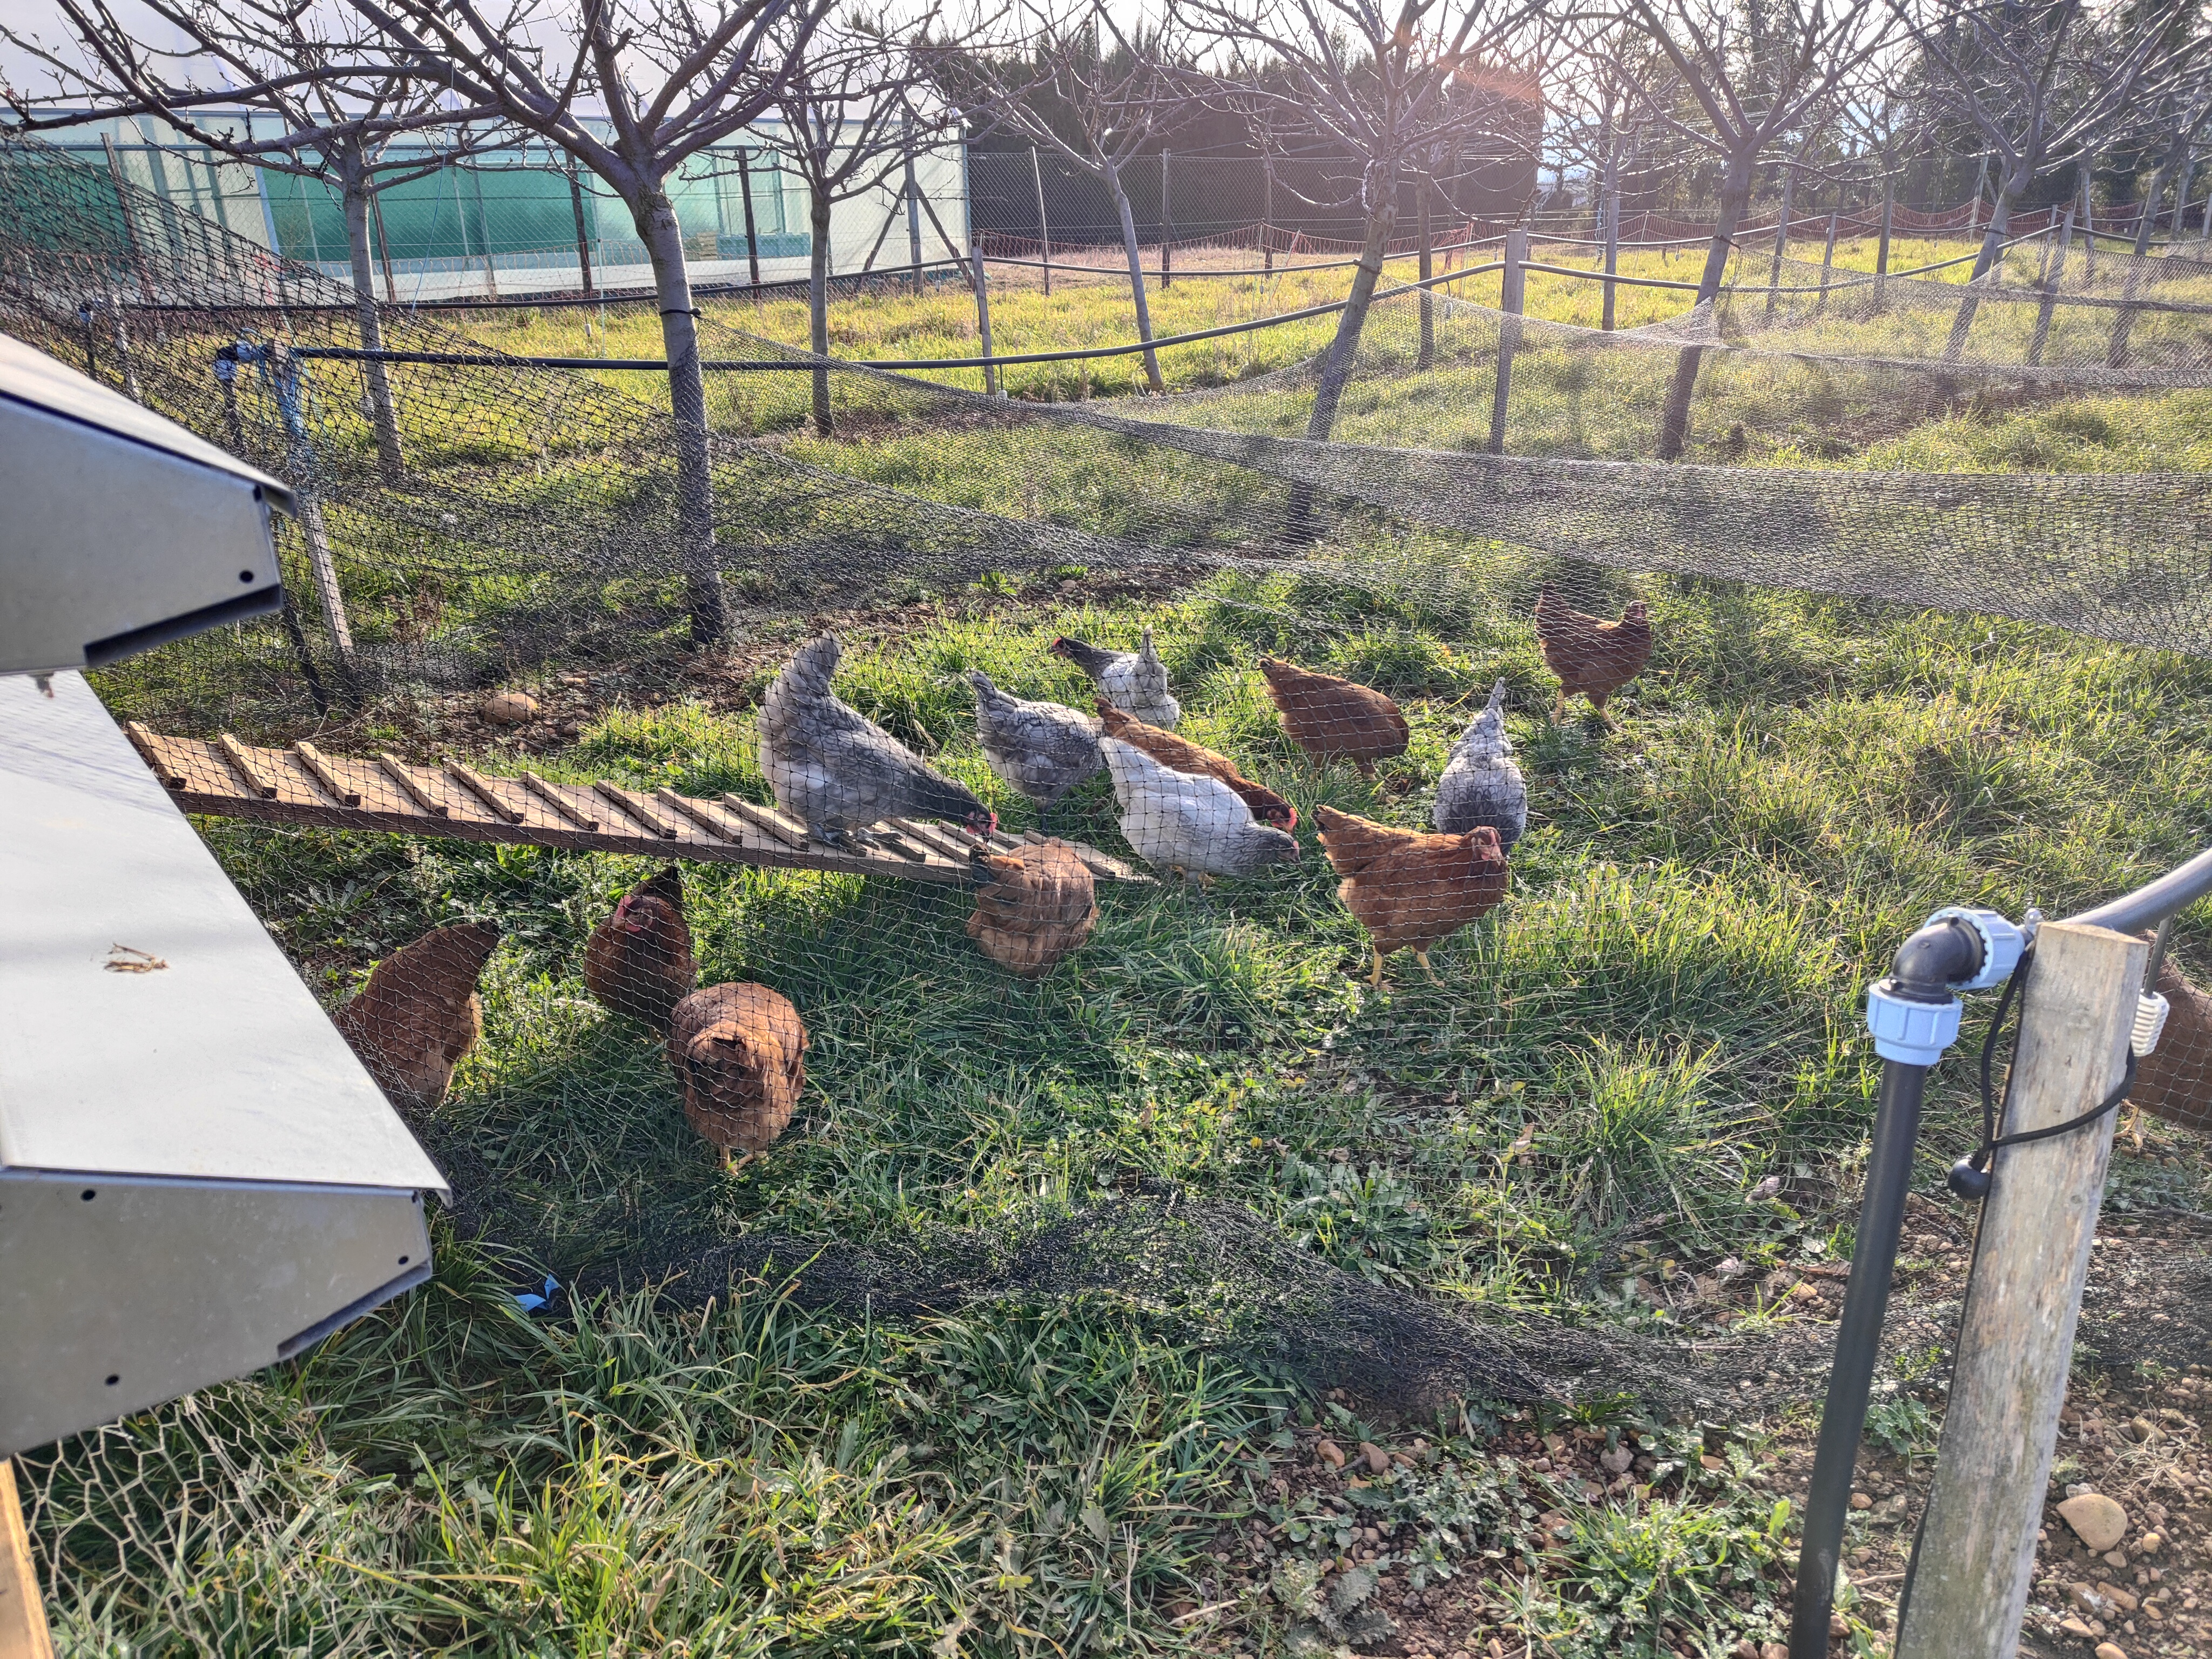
(1913, 1015)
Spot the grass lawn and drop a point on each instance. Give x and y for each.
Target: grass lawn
(1634, 1103)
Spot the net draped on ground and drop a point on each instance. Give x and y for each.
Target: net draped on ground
(533, 518)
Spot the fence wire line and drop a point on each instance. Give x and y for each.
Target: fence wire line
(471, 524)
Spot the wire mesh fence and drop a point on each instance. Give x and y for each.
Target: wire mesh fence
(1001, 810)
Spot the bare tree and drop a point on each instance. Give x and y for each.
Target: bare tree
(852, 114)
(631, 89)
(1757, 79)
(1077, 85)
(2042, 84)
(345, 117)
(1387, 88)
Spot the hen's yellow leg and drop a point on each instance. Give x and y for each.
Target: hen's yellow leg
(1422, 956)
(1376, 979)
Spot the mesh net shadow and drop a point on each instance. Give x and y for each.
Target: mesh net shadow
(530, 522)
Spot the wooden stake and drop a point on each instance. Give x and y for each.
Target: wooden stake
(1977, 1551)
(22, 1617)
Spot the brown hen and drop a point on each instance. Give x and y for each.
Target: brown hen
(419, 1014)
(1591, 657)
(1181, 754)
(1325, 716)
(2174, 1080)
(1410, 889)
(638, 962)
(1037, 904)
(739, 1052)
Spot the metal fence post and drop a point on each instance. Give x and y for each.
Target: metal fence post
(1968, 1587)
(1511, 283)
(1044, 225)
(992, 388)
(1167, 228)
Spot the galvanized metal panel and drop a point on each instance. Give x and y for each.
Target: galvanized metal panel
(120, 529)
(220, 1065)
(119, 1293)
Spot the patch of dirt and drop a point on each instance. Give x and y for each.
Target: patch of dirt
(2136, 1433)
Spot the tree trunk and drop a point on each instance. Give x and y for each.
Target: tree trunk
(1112, 179)
(663, 236)
(817, 302)
(1336, 367)
(1992, 249)
(1675, 418)
(355, 197)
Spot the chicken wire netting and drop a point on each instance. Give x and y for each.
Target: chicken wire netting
(418, 773)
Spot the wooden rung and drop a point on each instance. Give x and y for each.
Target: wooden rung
(636, 806)
(242, 763)
(483, 791)
(891, 840)
(704, 813)
(932, 836)
(396, 769)
(149, 750)
(1035, 838)
(320, 769)
(559, 802)
(773, 825)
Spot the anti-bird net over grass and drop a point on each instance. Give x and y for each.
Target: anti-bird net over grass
(1021, 913)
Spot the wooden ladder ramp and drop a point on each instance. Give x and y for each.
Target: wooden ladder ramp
(226, 778)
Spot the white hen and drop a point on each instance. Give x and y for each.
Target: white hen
(1134, 681)
(1482, 785)
(1179, 821)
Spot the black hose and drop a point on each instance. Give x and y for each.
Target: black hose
(1943, 954)
(1858, 1345)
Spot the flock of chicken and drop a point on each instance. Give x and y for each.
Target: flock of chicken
(738, 1050)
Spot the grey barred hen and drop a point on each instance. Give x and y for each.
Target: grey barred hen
(1134, 681)
(836, 770)
(1481, 784)
(1043, 748)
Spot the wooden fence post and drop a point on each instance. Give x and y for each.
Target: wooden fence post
(1612, 253)
(1781, 242)
(1827, 261)
(23, 1633)
(752, 234)
(583, 227)
(1427, 357)
(1970, 1581)
(913, 205)
(992, 388)
(2053, 278)
(1511, 285)
(1881, 249)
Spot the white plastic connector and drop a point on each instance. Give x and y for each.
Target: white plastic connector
(1914, 1033)
(2002, 944)
(2150, 1023)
